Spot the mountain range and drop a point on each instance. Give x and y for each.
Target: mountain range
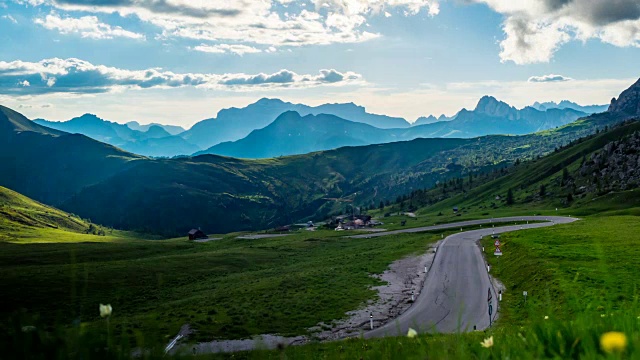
(154, 141)
(171, 129)
(220, 194)
(291, 133)
(565, 104)
(234, 123)
(254, 125)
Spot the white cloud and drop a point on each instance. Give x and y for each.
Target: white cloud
(256, 21)
(86, 26)
(536, 29)
(237, 49)
(81, 77)
(10, 18)
(549, 78)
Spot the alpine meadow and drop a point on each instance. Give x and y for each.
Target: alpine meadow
(319, 179)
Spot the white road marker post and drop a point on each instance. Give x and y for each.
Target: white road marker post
(371, 320)
(488, 268)
(489, 297)
(412, 296)
(500, 295)
(524, 293)
(425, 269)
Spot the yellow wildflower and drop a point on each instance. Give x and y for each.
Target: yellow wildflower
(613, 341)
(487, 343)
(412, 333)
(546, 317)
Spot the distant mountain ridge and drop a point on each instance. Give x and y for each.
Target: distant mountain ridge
(293, 133)
(170, 129)
(154, 141)
(565, 104)
(236, 123)
(489, 117)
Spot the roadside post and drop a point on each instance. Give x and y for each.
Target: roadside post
(425, 269)
(489, 297)
(500, 295)
(498, 251)
(488, 268)
(524, 293)
(371, 320)
(412, 296)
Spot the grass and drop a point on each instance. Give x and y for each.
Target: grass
(224, 289)
(587, 266)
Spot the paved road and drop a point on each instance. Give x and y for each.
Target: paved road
(459, 225)
(454, 297)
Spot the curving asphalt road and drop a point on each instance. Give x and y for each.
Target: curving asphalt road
(454, 296)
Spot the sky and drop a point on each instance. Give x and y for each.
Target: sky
(181, 61)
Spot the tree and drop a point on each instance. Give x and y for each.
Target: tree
(543, 190)
(381, 205)
(510, 200)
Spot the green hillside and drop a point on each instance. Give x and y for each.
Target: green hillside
(18, 212)
(26, 221)
(568, 189)
(218, 194)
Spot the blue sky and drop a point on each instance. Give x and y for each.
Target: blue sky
(179, 61)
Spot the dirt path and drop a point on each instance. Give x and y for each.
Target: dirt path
(403, 278)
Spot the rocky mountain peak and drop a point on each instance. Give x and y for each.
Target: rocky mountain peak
(628, 103)
(493, 107)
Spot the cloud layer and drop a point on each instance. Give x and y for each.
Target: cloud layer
(81, 77)
(263, 22)
(535, 29)
(86, 26)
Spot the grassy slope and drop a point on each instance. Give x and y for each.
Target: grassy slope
(229, 288)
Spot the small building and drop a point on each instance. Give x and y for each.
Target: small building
(196, 234)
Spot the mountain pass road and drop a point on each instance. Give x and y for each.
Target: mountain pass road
(455, 294)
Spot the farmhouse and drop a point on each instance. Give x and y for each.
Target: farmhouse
(196, 234)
